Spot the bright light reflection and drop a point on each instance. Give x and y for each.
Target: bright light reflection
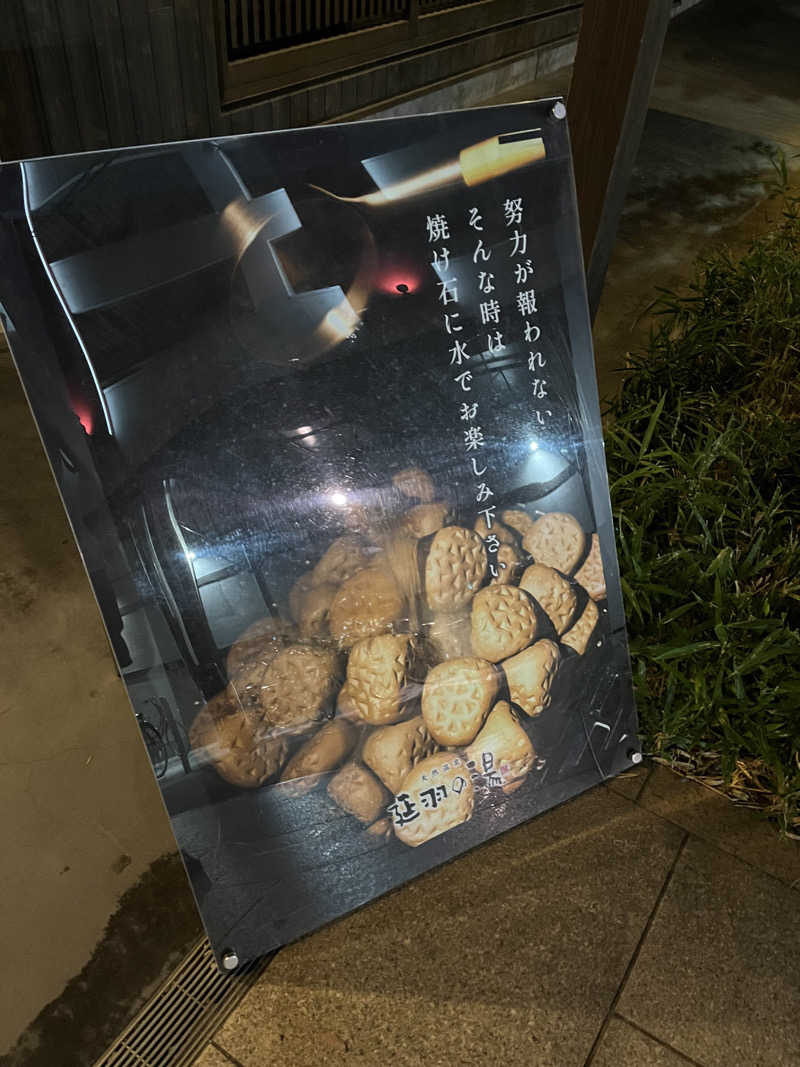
(340, 322)
(534, 446)
(303, 429)
(338, 499)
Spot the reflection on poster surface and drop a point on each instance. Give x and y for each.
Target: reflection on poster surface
(321, 406)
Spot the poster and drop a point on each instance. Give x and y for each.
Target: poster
(321, 406)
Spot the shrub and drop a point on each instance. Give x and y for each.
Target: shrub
(703, 449)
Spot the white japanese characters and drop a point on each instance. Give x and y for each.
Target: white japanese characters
(490, 315)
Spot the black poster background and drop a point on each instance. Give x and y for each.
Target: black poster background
(220, 340)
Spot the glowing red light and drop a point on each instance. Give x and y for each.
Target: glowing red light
(85, 417)
(392, 280)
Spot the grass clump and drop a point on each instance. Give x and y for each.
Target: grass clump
(703, 450)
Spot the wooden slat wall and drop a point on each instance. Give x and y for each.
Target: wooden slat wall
(84, 73)
(52, 73)
(90, 74)
(113, 70)
(189, 36)
(167, 66)
(141, 70)
(23, 125)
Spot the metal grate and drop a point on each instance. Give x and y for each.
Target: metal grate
(254, 27)
(426, 6)
(183, 1014)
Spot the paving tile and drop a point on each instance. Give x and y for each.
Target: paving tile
(737, 830)
(630, 783)
(703, 73)
(625, 1046)
(718, 977)
(513, 953)
(212, 1057)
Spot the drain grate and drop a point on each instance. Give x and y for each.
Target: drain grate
(183, 1014)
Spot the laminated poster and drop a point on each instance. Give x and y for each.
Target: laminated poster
(322, 408)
